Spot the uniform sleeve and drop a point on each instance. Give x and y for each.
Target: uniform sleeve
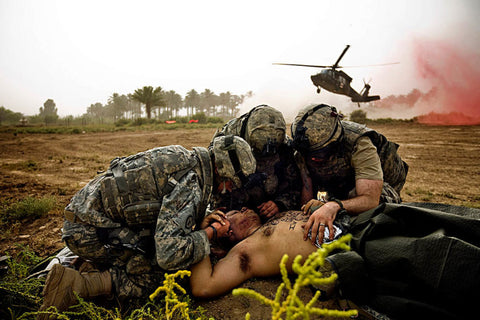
(366, 161)
(177, 245)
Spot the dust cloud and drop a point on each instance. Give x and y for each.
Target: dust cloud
(453, 75)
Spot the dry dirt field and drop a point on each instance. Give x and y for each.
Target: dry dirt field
(444, 167)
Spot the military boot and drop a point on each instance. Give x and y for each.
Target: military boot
(62, 282)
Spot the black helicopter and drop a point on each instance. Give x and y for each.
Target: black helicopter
(337, 81)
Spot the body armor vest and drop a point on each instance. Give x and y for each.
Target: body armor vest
(133, 187)
(337, 176)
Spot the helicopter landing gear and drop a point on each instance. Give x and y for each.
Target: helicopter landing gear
(318, 89)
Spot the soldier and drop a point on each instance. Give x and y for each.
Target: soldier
(357, 166)
(143, 216)
(275, 186)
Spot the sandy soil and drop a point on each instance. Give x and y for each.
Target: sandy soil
(444, 167)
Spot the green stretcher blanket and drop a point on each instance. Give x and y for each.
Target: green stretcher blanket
(413, 261)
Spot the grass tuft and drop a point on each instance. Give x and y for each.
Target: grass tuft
(27, 209)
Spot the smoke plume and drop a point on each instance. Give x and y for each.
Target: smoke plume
(453, 75)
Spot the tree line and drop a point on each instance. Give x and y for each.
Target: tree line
(154, 103)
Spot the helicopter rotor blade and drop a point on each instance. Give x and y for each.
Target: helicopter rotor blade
(301, 65)
(334, 67)
(340, 57)
(369, 65)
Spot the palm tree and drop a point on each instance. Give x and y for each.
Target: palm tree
(224, 101)
(208, 102)
(173, 101)
(150, 97)
(118, 104)
(235, 101)
(134, 107)
(192, 101)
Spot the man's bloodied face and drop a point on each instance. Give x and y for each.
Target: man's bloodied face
(241, 221)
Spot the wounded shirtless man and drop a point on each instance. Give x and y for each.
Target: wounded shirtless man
(257, 253)
(407, 260)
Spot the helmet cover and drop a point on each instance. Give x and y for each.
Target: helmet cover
(233, 158)
(265, 130)
(315, 127)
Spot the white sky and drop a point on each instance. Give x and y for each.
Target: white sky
(80, 52)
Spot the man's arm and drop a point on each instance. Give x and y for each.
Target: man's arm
(367, 196)
(207, 281)
(368, 177)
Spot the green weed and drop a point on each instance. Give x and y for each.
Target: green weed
(29, 208)
(19, 294)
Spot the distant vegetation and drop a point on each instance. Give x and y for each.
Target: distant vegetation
(145, 103)
(360, 116)
(78, 125)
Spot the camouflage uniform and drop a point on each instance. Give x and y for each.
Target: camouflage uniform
(142, 216)
(335, 146)
(277, 176)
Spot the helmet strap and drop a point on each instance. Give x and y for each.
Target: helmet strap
(232, 154)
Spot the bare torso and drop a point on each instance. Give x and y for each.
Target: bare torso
(258, 255)
(281, 235)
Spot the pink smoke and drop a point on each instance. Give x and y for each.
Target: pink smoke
(453, 74)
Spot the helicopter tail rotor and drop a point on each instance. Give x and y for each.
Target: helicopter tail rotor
(366, 88)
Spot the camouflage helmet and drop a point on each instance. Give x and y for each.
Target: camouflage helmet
(264, 129)
(315, 127)
(233, 158)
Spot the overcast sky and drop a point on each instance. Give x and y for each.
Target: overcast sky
(80, 52)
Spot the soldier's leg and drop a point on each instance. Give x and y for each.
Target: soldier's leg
(395, 170)
(389, 194)
(128, 285)
(97, 245)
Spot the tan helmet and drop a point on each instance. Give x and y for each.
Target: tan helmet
(233, 158)
(264, 129)
(315, 127)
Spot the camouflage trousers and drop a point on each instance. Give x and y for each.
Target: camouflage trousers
(389, 194)
(134, 274)
(128, 285)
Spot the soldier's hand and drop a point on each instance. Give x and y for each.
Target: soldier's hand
(320, 219)
(216, 215)
(311, 206)
(268, 209)
(222, 229)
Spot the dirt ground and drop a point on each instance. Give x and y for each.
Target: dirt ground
(444, 167)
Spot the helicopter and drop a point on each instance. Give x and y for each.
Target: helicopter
(337, 81)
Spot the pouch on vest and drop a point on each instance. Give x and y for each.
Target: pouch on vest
(133, 187)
